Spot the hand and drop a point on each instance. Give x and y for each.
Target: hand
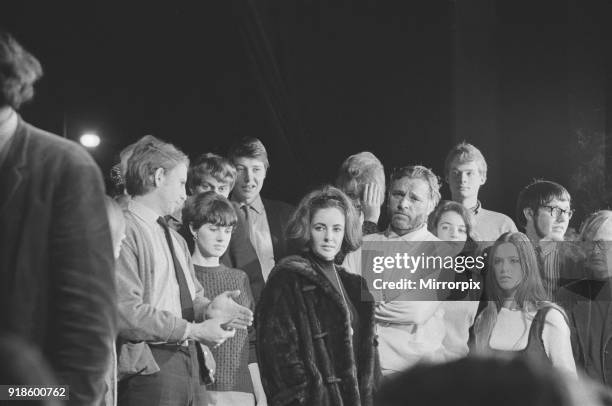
(210, 332)
(372, 199)
(231, 314)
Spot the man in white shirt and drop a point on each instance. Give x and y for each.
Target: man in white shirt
(163, 316)
(409, 331)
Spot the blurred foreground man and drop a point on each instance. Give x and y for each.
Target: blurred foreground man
(56, 257)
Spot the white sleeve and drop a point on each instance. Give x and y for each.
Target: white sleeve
(557, 343)
(406, 312)
(352, 262)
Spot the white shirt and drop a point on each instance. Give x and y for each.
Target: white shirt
(165, 293)
(408, 331)
(511, 333)
(260, 236)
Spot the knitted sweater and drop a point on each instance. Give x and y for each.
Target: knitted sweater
(233, 356)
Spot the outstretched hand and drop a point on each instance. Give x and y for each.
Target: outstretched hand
(232, 314)
(210, 332)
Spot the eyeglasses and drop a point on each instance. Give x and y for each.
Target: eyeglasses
(557, 211)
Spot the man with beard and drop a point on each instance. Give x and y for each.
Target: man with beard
(544, 210)
(410, 329)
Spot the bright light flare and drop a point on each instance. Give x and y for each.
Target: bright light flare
(89, 140)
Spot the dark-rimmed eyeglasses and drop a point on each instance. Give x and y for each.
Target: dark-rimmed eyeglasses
(558, 211)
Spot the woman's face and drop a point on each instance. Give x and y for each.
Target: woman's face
(507, 268)
(212, 240)
(327, 232)
(600, 259)
(451, 227)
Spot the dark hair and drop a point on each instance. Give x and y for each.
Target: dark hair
(530, 291)
(537, 194)
(530, 294)
(449, 205)
(419, 172)
(209, 208)
(210, 165)
(249, 147)
(298, 228)
(148, 157)
(19, 70)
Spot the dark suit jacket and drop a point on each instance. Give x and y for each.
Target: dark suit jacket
(588, 304)
(242, 255)
(56, 259)
(278, 214)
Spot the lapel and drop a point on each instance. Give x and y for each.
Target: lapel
(14, 167)
(275, 227)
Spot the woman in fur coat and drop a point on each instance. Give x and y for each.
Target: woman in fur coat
(315, 321)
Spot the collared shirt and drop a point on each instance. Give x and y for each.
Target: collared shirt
(352, 262)
(8, 129)
(165, 294)
(409, 331)
(259, 234)
(551, 261)
(489, 225)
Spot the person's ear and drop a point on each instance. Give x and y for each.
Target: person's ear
(158, 176)
(193, 231)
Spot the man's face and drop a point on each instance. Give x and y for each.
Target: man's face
(549, 226)
(210, 183)
(409, 204)
(599, 258)
(250, 177)
(171, 189)
(464, 179)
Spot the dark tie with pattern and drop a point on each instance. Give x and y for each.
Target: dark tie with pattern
(186, 301)
(247, 215)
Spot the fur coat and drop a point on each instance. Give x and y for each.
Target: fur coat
(304, 348)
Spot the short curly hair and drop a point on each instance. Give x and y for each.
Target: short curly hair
(357, 170)
(419, 172)
(298, 228)
(19, 70)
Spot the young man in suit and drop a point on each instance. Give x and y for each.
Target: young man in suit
(267, 218)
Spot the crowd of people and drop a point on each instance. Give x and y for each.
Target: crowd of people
(187, 287)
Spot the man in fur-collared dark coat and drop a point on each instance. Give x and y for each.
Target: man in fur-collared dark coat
(304, 342)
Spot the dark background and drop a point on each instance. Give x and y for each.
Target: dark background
(525, 81)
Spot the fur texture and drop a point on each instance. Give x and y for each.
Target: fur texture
(304, 348)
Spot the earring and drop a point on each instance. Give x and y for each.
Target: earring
(195, 237)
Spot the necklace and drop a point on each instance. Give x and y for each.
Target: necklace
(346, 306)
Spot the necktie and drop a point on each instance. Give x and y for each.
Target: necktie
(186, 302)
(247, 215)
